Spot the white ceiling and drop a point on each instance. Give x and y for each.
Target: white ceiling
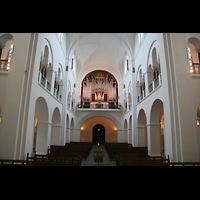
(105, 51)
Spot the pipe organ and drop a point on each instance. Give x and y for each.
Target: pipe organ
(99, 87)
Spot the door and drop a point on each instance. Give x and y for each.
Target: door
(98, 134)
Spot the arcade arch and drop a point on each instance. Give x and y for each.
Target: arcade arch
(156, 129)
(56, 127)
(87, 129)
(41, 126)
(142, 129)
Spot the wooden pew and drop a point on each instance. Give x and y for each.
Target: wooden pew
(7, 162)
(69, 155)
(124, 148)
(71, 149)
(55, 158)
(135, 161)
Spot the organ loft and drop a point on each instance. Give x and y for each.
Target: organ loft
(99, 90)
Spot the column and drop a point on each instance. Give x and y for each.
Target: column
(153, 139)
(42, 138)
(67, 138)
(56, 134)
(142, 140)
(120, 135)
(146, 83)
(76, 134)
(130, 136)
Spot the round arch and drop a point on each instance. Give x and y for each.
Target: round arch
(100, 114)
(195, 41)
(46, 42)
(104, 67)
(156, 136)
(156, 111)
(138, 74)
(41, 133)
(86, 134)
(98, 134)
(149, 57)
(56, 127)
(142, 129)
(4, 38)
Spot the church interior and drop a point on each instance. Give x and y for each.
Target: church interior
(99, 99)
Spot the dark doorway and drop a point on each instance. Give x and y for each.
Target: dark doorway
(98, 134)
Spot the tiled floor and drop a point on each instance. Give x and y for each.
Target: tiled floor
(90, 159)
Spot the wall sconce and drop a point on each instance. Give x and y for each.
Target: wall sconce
(81, 128)
(0, 118)
(197, 122)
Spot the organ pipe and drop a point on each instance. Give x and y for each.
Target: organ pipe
(99, 86)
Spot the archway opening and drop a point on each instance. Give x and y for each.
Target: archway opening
(194, 55)
(41, 126)
(142, 129)
(98, 134)
(56, 128)
(86, 132)
(156, 132)
(6, 51)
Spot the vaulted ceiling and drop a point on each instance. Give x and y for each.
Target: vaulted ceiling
(106, 51)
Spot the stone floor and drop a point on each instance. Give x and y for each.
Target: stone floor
(90, 160)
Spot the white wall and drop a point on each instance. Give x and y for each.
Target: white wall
(178, 91)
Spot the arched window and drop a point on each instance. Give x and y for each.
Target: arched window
(45, 76)
(140, 85)
(126, 64)
(72, 66)
(125, 101)
(193, 54)
(153, 68)
(6, 51)
(156, 65)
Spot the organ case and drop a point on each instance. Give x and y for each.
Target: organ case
(99, 87)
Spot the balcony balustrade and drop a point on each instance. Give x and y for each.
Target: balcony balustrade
(45, 83)
(155, 83)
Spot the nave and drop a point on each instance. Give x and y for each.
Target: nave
(81, 154)
(106, 160)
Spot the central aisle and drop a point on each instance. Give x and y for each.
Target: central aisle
(90, 159)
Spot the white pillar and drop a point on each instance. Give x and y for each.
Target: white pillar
(42, 138)
(153, 138)
(142, 140)
(56, 134)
